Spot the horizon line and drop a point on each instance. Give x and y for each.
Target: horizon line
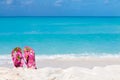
(64, 16)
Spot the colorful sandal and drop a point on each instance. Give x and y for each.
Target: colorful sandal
(29, 56)
(17, 57)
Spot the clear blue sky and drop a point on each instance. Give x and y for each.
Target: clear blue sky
(59, 7)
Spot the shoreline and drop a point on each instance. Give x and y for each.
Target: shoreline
(62, 62)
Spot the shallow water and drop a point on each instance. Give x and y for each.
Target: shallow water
(82, 36)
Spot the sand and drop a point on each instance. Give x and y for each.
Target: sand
(72, 73)
(86, 68)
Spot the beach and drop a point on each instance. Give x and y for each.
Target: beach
(66, 48)
(61, 68)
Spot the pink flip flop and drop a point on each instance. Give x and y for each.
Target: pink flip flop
(29, 56)
(17, 57)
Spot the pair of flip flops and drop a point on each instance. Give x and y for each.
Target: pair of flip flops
(28, 57)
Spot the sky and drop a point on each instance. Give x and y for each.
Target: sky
(59, 7)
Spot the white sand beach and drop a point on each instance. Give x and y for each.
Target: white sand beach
(84, 68)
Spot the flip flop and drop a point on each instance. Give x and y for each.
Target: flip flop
(17, 57)
(29, 56)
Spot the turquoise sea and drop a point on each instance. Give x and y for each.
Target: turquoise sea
(81, 36)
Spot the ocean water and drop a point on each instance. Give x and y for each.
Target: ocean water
(73, 36)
